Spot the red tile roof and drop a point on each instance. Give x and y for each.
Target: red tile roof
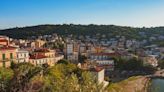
(105, 54)
(4, 47)
(37, 56)
(96, 69)
(42, 50)
(3, 40)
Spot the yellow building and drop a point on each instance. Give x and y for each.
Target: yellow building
(45, 52)
(7, 55)
(46, 55)
(39, 43)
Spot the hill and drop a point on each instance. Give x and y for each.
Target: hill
(91, 30)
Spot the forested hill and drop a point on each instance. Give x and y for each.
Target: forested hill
(107, 30)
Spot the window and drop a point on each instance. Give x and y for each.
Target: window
(3, 56)
(11, 55)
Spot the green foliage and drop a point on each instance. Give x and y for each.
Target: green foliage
(89, 83)
(25, 77)
(13, 65)
(5, 76)
(68, 78)
(132, 64)
(23, 73)
(82, 58)
(123, 86)
(77, 30)
(71, 84)
(161, 64)
(63, 61)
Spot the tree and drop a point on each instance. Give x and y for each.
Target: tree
(119, 62)
(63, 61)
(133, 64)
(26, 77)
(161, 64)
(71, 84)
(68, 78)
(82, 58)
(53, 80)
(23, 73)
(5, 76)
(89, 83)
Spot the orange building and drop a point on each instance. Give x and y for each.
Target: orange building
(7, 55)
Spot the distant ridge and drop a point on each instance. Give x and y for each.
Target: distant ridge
(91, 30)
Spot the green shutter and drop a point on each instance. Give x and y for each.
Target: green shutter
(11, 55)
(3, 58)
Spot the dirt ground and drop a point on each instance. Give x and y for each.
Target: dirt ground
(138, 84)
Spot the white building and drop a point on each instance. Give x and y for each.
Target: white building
(71, 53)
(39, 60)
(108, 64)
(73, 57)
(151, 60)
(98, 73)
(22, 56)
(58, 57)
(69, 49)
(103, 60)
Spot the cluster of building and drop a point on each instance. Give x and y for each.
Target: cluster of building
(99, 53)
(37, 55)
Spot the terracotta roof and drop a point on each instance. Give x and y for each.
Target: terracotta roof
(96, 69)
(3, 40)
(37, 56)
(107, 54)
(4, 47)
(42, 50)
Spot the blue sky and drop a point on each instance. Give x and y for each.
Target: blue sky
(137, 13)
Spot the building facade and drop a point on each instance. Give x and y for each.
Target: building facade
(7, 55)
(22, 56)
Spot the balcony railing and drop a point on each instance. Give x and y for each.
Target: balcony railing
(7, 60)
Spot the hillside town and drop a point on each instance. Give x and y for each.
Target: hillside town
(91, 54)
(81, 46)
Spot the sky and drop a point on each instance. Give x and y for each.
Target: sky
(135, 13)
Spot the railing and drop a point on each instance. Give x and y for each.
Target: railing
(7, 59)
